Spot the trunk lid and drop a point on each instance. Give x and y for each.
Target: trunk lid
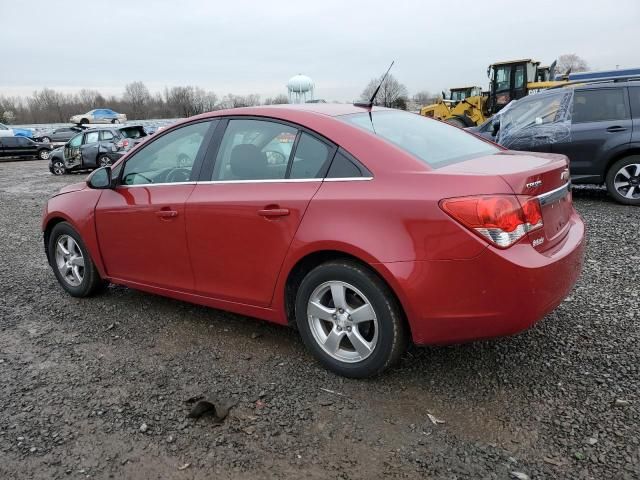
(541, 175)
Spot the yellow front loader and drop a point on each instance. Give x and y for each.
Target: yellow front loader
(507, 81)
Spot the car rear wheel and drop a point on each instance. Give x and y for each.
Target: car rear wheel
(71, 262)
(104, 161)
(46, 140)
(58, 168)
(115, 120)
(43, 154)
(349, 319)
(84, 121)
(623, 180)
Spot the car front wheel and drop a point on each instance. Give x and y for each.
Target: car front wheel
(43, 154)
(623, 180)
(349, 319)
(58, 168)
(71, 262)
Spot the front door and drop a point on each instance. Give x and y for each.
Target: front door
(600, 124)
(72, 156)
(241, 221)
(89, 149)
(141, 223)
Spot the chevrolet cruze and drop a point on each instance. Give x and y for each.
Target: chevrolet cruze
(364, 228)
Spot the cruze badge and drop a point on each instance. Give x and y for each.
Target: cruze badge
(535, 184)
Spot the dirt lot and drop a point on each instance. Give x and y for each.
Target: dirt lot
(98, 388)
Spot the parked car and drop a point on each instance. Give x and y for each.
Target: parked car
(596, 125)
(23, 147)
(95, 147)
(14, 132)
(57, 135)
(99, 115)
(381, 226)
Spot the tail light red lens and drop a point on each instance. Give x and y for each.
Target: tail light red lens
(500, 219)
(123, 143)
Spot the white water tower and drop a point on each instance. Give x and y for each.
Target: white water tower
(300, 88)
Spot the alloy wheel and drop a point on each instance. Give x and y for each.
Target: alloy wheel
(69, 260)
(627, 181)
(342, 321)
(58, 168)
(44, 155)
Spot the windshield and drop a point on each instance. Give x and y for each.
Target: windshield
(435, 143)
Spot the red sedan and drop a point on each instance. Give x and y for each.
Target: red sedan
(364, 228)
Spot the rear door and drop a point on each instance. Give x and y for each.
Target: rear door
(243, 216)
(634, 97)
(600, 126)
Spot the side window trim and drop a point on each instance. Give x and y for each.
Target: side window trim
(197, 163)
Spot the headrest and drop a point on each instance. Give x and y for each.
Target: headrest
(248, 163)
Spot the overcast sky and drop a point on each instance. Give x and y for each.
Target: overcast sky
(246, 47)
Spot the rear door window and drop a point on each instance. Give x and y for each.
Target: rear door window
(106, 135)
(599, 105)
(311, 158)
(92, 137)
(634, 96)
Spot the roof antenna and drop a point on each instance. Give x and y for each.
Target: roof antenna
(369, 104)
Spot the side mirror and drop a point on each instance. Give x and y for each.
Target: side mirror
(495, 126)
(100, 179)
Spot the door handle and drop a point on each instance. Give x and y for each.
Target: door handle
(616, 129)
(273, 212)
(167, 213)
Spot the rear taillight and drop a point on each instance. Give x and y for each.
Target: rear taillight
(500, 219)
(123, 143)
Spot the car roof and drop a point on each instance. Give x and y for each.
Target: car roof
(326, 109)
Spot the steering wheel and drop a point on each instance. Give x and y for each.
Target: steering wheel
(184, 160)
(178, 175)
(275, 158)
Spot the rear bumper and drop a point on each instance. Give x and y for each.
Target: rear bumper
(497, 293)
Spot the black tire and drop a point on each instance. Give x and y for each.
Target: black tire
(84, 121)
(391, 334)
(115, 120)
(456, 121)
(43, 154)
(91, 281)
(45, 140)
(614, 175)
(104, 160)
(57, 167)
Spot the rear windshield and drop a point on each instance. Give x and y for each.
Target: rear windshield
(133, 132)
(435, 143)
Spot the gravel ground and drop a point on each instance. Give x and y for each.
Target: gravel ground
(98, 387)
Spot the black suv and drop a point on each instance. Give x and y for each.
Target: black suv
(23, 147)
(597, 125)
(95, 147)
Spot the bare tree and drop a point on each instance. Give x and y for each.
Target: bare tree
(137, 96)
(571, 61)
(277, 100)
(424, 97)
(391, 94)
